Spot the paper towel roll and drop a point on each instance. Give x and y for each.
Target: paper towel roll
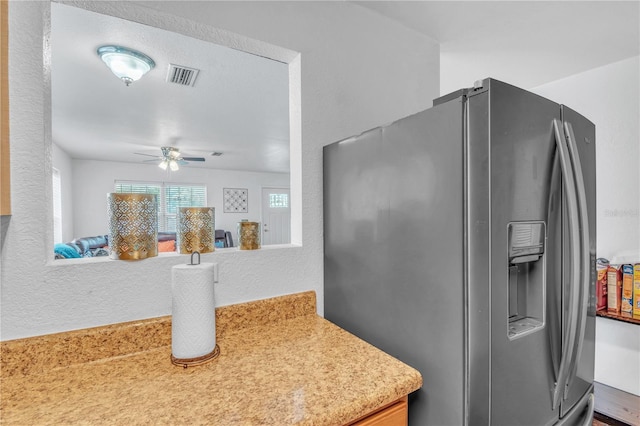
(193, 323)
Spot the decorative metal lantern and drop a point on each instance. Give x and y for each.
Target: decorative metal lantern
(133, 226)
(248, 235)
(196, 229)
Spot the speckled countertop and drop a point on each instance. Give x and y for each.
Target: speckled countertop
(279, 364)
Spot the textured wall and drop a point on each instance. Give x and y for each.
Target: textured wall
(90, 202)
(350, 70)
(610, 97)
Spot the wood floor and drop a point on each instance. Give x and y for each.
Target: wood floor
(615, 407)
(601, 420)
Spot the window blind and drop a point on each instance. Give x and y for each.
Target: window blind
(171, 196)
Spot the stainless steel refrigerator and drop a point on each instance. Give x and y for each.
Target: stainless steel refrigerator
(461, 240)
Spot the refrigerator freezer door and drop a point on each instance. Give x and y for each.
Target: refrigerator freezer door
(519, 151)
(393, 242)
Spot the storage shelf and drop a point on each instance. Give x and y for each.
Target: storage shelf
(618, 317)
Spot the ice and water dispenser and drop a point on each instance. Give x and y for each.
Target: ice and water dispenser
(526, 277)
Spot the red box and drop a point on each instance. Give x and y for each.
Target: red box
(601, 286)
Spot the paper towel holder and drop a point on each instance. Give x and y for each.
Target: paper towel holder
(187, 362)
(195, 264)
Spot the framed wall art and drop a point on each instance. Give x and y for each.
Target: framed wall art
(236, 200)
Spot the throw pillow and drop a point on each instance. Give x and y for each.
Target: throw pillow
(164, 246)
(65, 251)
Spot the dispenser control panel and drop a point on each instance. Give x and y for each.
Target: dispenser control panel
(526, 241)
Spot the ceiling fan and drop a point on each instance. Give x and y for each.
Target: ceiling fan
(171, 158)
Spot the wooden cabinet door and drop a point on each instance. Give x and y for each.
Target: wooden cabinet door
(395, 414)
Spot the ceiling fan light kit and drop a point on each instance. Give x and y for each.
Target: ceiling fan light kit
(127, 64)
(170, 152)
(171, 163)
(171, 156)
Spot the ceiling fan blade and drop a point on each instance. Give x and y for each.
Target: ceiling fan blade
(148, 155)
(193, 158)
(150, 161)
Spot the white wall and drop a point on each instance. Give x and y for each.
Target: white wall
(610, 97)
(355, 70)
(96, 179)
(618, 354)
(63, 163)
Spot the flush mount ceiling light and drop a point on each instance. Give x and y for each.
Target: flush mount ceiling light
(127, 64)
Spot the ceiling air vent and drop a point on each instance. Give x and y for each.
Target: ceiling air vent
(182, 75)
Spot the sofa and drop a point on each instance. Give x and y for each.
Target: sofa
(83, 247)
(99, 245)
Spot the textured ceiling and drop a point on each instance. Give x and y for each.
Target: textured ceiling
(525, 43)
(238, 105)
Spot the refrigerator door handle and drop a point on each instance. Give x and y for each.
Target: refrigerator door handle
(584, 251)
(582, 412)
(590, 410)
(569, 334)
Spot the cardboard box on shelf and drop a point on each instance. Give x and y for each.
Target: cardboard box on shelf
(626, 302)
(636, 291)
(614, 289)
(601, 285)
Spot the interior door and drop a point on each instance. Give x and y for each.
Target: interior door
(522, 147)
(276, 216)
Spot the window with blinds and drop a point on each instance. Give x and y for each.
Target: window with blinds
(171, 196)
